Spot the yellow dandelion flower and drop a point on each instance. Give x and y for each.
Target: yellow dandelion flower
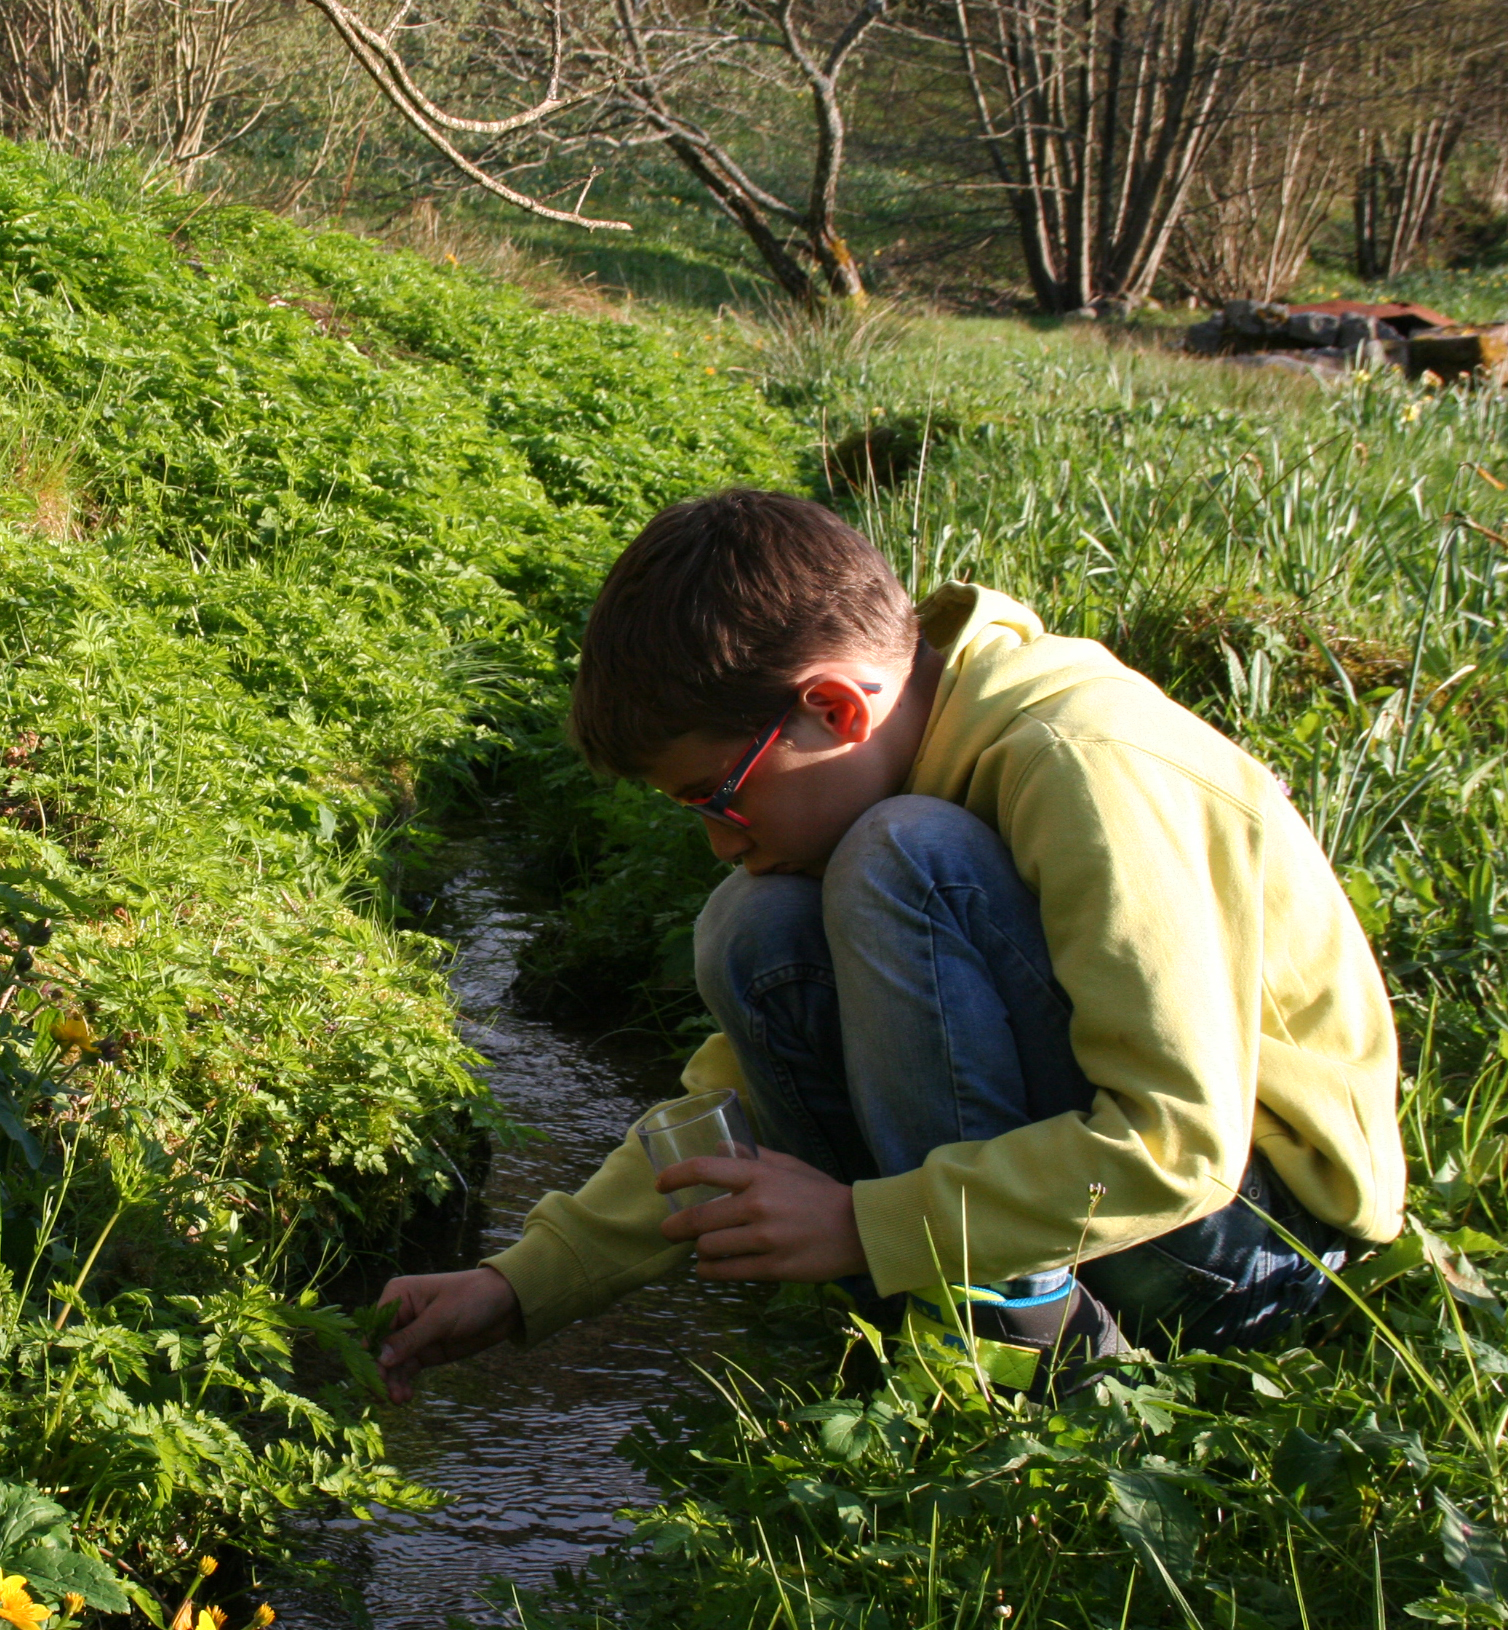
(261, 1618)
(73, 1603)
(210, 1618)
(17, 1607)
(711, 369)
(72, 1032)
(1411, 412)
(207, 1565)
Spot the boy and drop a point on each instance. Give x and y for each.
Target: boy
(1024, 972)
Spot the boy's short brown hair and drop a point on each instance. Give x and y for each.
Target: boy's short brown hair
(710, 613)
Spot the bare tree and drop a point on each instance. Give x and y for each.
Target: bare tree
(1428, 83)
(62, 63)
(1095, 115)
(538, 52)
(649, 88)
(1398, 184)
(1267, 183)
(630, 73)
(90, 76)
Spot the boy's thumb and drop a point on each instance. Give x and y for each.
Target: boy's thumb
(404, 1343)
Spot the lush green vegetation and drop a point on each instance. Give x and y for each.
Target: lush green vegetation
(294, 532)
(295, 536)
(1322, 572)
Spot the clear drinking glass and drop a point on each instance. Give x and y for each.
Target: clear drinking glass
(703, 1123)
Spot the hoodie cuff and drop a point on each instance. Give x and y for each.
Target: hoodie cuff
(554, 1289)
(891, 1216)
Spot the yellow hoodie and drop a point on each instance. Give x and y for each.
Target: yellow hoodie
(1224, 995)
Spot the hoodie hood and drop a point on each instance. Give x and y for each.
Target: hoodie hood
(999, 662)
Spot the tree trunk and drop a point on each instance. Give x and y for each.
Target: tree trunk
(1106, 108)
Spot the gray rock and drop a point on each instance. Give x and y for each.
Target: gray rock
(1356, 329)
(1206, 339)
(1085, 314)
(1254, 319)
(1312, 328)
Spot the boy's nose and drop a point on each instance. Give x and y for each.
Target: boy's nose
(728, 842)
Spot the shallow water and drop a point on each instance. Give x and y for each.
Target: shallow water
(523, 1441)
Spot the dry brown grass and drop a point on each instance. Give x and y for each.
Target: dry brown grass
(429, 232)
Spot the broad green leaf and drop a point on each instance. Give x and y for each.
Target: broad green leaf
(1474, 1550)
(27, 1516)
(1155, 1519)
(1305, 1462)
(51, 1572)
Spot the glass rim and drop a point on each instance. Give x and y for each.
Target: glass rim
(673, 1115)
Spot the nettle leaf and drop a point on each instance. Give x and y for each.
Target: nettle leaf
(1156, 1520)
(1460, 1274)
(1305, 1462)
(1474, 1550)
(1488, 1359)
(27, 1517)
(1449, 1607)
(1378, 1442)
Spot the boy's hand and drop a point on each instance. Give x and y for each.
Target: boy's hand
(442, 1317)
(784, 1220)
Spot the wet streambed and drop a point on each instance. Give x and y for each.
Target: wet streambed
(523, 1441)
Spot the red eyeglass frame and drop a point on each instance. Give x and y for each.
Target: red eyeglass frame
(715, 805)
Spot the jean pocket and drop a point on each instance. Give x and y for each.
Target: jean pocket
(1152, 1293)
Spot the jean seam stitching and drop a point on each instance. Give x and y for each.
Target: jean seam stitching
(784, 1080)
(789, 973)
(949, 1059)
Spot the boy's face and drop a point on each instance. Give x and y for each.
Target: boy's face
(840, 751)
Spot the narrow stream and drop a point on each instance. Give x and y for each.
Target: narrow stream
(523, 1441)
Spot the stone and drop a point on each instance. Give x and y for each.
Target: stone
(1206, 339)
(1449, 353)
(1356, 329)
(1312, 328)
(1255, 319)
(1085, 314)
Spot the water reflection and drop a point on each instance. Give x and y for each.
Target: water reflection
(524, 1441)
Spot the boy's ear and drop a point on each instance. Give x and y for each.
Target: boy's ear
(842, 704)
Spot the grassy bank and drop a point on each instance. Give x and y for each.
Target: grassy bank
(1322, 573)
(294, 535)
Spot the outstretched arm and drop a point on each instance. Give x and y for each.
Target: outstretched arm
(442, 1317)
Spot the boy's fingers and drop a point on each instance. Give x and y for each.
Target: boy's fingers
(786, 1163)
(404, 1345)
(726, 1242)
(763, 1267)
(713, 1170)
(694, 1221)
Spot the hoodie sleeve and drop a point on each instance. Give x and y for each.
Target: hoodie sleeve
(580, 1252)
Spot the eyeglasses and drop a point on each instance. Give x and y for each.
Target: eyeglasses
(715, 805)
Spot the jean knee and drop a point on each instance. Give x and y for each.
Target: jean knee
(917, 839)
(752, 926)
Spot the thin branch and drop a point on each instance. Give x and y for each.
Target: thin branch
(381, 63)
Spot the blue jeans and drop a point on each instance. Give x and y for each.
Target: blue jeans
(923, 934)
